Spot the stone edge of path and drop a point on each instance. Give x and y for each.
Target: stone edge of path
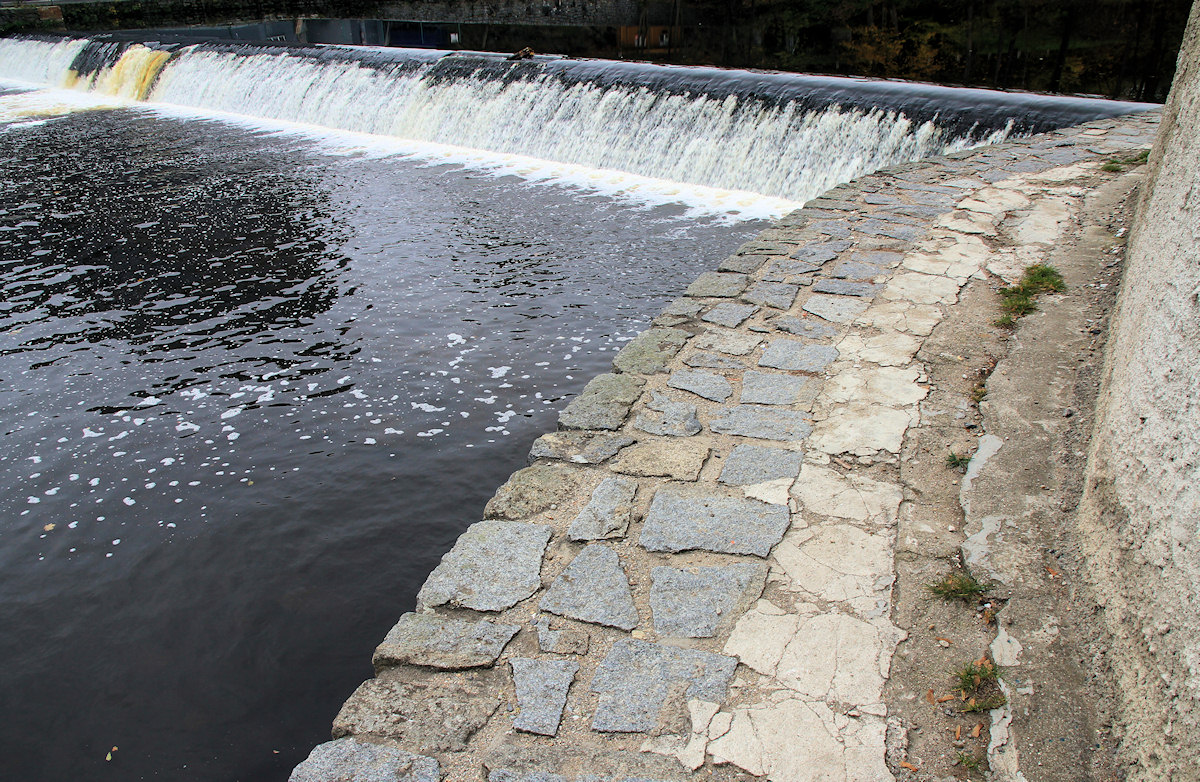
(698, 566)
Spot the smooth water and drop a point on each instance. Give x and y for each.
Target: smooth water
(250, 393)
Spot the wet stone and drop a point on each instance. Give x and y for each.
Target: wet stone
(667, 417)
(837, 309)
(439, 642)
(566, 640)
(603, 403)
(350, 760)
(797, 356)
(701, 601)
(804, 327)
(542, 687)
(702, 384)
(532, 490)
(761, 388)
(607, 513)
(772, 294)
(681, 520)
(729, 314)
(662, 459)
(751, 464)
(493, 566)
(705, 360)
(579, 447)
(636, 679)
(854, 270)
(846, 288)
(593, 588)
(762, 424)
(730, 342)
(649, 352)
(717, 285)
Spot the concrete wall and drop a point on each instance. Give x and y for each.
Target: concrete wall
(1141, 510)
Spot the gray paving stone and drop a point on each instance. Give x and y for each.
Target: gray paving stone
(704, 360)
(743, 264)
(854, 270)
(838, 229)
(440, 642)
(494, 565)
(607, 513)
(942, 207)
(603, 403)
(797, 356)
(846, 288)
(681, 520)
(717, 285)
(579, 447)
(816, 253)
(531, 490)
(838, 309)
(729, 314)
(637, 677)
(350, 760)
(509, 775)
(751, 464)
(895, 218)
(763, 388)
(699, 602)
(786, 269)
(702, 384)
(649, 352)
(594, 589)
(731, 342)
(542, 687)
(667, 417)
(683, 307)
(762, 424)
(882, 258)
(905, 233)
(678, 460)
(881, 199)
(803, 327)
(772, 294)
(560, 640)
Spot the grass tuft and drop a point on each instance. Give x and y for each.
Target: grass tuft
(978, 684)
(958, 461)
(1018, 300)
(958, 586)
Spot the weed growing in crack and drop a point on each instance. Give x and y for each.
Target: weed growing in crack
(1118, 164)
(1018, 300)
(958, 461)
(978, 684)
(958, 586)
(966, 760)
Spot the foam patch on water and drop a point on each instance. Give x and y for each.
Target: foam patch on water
(35, 104)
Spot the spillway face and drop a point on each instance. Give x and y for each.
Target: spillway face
(781, 135)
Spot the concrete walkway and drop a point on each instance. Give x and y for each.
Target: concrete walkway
(694, 579)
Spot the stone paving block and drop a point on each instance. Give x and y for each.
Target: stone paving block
(426, 711)
(729, 314)
(751, 464)
(772, 294)
(762, 388)
(607, 513)
(731, 342)
(744, 264)
(440, 642)
(564, 640)
(705, 360)
(662, 459)
(763, 424)
(821, 252)
(636, 679)
(855, 270)
(532, 490)
(650, 351)
(879, 258)
(684, 308)
(494, 565)
(702, 384)
(579, 447)
(717, 285)
(350, 760)
(797, 356)
(837, 229)
(603, 403)
(680, 520)
(784, 270)
(838, 309)
(702, 601)
(845, 288)
(904, 233)
(542, 687)
(803, 327)
(667, 417)
(594, 589)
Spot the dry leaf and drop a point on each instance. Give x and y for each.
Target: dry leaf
(975, 731)
(957, 732)
(945, 698)
(909, 766)
(929, 697)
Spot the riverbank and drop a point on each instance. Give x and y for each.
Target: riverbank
(724, 547)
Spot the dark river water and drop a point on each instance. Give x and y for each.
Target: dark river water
(250, 392)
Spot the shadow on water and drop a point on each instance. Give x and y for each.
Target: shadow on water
(251, 393)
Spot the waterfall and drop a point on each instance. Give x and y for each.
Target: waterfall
(786, 136)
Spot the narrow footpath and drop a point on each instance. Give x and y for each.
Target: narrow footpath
(717, 568)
